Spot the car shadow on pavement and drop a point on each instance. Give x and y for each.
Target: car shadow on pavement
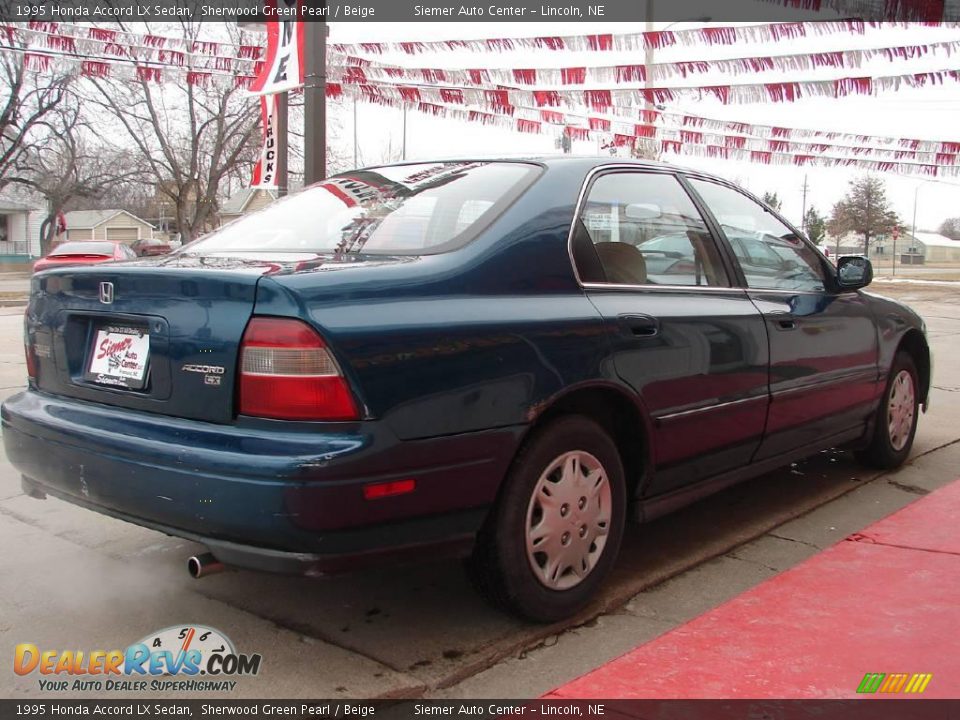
(425, 619)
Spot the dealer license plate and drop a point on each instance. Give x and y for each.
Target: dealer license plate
(119, 357)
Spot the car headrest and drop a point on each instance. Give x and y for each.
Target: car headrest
(623, 264)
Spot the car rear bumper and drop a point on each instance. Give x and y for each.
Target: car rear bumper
(256, 493)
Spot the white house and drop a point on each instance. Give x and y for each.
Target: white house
(19, 231)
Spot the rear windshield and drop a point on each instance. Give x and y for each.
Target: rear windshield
(83, 248)
(400, 210)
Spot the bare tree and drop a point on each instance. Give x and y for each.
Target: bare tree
(773, 200)
(26, 113)
(189, 138)
(337, 159)
(951, 228)
(68, 167)
(646, 149)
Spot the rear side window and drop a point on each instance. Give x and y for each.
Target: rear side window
(395, 210)
(643, 229)
(771, 254)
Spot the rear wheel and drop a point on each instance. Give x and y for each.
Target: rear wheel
(556, 529)
(895, 423)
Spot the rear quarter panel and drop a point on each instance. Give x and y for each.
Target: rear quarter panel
(472, 339)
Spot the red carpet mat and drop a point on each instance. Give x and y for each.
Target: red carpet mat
(883, 602)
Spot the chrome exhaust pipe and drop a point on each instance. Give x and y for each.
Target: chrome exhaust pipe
(202, 565)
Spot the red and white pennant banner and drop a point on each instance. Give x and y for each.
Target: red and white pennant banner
(912, 10)
(111, 45)
(623, 103)
(362, 69)
(126, 69)
(617, 132)
(604, 99)
(671, 141)
(618, 42)
(700, 122)
(598, 99)
(938, 153)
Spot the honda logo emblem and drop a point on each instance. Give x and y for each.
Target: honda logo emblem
(106, 293)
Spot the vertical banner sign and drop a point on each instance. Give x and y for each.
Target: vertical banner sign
(283, 66)
(265, 171)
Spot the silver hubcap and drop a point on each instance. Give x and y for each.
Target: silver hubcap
(568, 520)
(901, 406)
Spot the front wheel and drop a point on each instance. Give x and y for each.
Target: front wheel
(895, 423)
(556, 529)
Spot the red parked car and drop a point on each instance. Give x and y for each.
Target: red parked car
(149, 247)
(85, 252)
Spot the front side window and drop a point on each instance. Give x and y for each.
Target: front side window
(771, 254)
(394, 210)
(643, 229)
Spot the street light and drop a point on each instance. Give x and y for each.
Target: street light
(649, 53)
(913, 233)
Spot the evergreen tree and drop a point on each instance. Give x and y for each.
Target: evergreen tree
(865, 211)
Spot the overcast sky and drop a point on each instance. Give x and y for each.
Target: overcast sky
(929, 113)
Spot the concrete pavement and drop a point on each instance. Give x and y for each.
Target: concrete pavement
(73, 578)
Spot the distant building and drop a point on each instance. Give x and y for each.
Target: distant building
(852, 244)
(19, 231)
(925, 247)
(249, 200)
(116, 225)
(245, 201)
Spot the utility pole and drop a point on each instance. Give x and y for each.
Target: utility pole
(803, 217)
(355, 163)
(866, 234)
(647, 77)
(403, 146)
(315, 102)
(896, 234)
(648, 60)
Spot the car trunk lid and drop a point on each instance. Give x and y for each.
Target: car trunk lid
(148, 336)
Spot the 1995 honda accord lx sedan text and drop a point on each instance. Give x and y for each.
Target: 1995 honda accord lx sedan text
(505, 359)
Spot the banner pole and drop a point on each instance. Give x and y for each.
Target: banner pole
(315, 103)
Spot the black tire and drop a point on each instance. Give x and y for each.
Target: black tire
(882, 452)
(501, 568)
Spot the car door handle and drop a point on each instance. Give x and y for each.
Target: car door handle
(640, 325)
(787, 324)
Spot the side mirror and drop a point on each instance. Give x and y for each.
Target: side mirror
(854, 272)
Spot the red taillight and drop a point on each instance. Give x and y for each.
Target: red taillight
(28, 349)
(287, 373)
(377, 491)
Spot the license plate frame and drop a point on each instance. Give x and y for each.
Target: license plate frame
(118, 356)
